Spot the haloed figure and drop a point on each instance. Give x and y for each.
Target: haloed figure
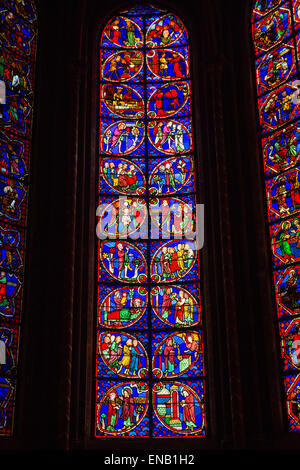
(188, 405)
(127, 408)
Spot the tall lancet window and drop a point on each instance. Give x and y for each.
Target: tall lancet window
(149, 368)
(276, 37)
(18, 31)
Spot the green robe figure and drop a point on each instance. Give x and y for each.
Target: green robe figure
(283, 242)
(292, 148)
(130, 34)
(158, 136)
(2, 63)
(126, 263)
(179, 140)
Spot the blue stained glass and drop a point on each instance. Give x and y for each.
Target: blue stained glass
(173, 261)
(11, 161)
(281, 150)
(16, 113)
(167, 64)
(122, 217)
(122, 66)
(148, 280)
(275, 35)
(296, 13)
(12, 200)
(179, 409)
(293, 401)
(23, 8)
(290, 342)
(9, 336)
(177, 354)
(123, 32)
(10, 292)
(122, 100)
(143, 10)
(17, 73)
(123, 307)
(176, 306)
(285, 244)
(122, 137)
(283, 195)
(16, 33)
(17, 60)
(172, 216)
(164, 31)
(276, 67)
(169, 137)
(6, 405)
(279, 107)
(11, 259)
(168, 100)
(171, 175)
(123, 261)
(262, 7)
(288, 291)
(122, 176)
(272, 29)
(122, 354)
(122, 408)
(11, 263)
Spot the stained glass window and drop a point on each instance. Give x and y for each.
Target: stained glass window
(18, 32)
(149, 371)
(276, 38)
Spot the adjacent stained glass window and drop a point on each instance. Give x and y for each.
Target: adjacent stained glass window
(18, 31)
(149, 371)
(276, 37)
